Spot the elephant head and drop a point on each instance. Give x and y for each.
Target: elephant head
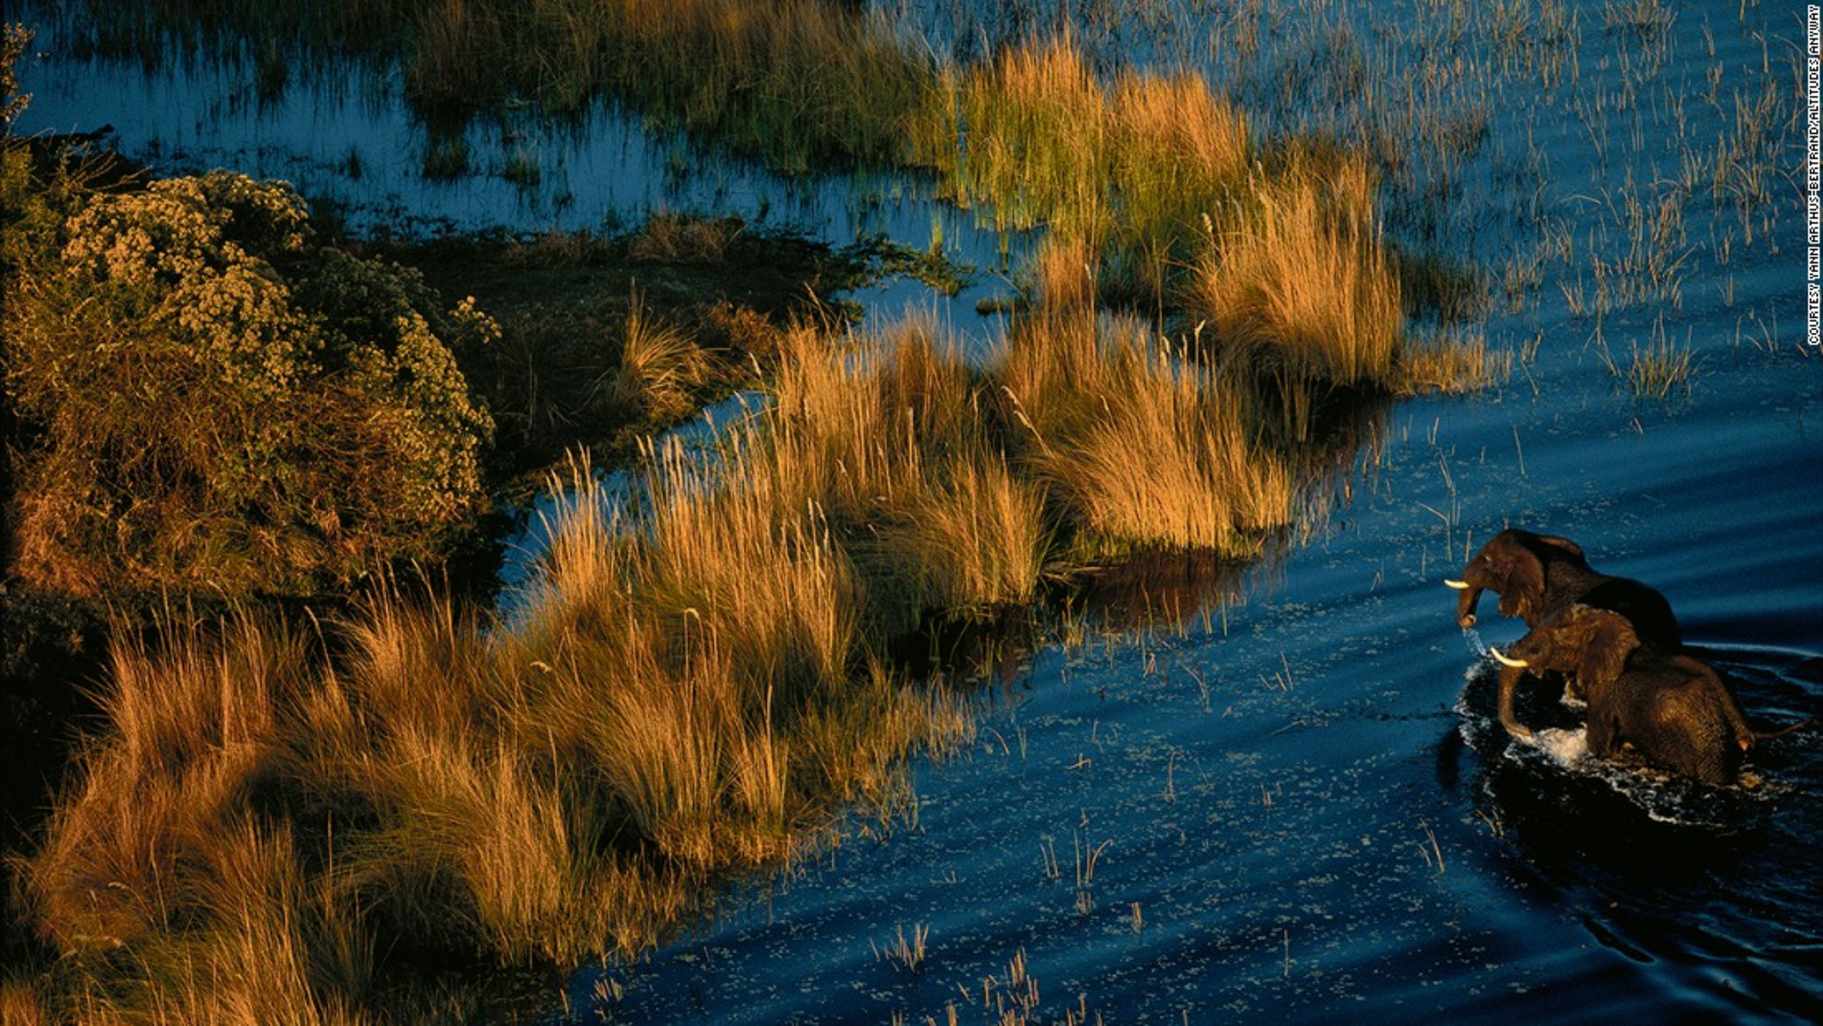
(1592, 644)
(1512, 565)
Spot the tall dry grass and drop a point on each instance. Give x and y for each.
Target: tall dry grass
(698, 676)
(1145, 447)
(21, 1005)
(661, 370)
(1304, 280)
(1130, 166)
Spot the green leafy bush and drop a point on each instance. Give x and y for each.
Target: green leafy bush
(210, 399)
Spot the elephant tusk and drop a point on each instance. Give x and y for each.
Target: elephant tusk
(1517, 664)
(1458, 585)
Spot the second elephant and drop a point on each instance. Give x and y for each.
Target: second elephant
(1675, 711)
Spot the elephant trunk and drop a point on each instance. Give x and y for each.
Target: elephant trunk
(1467, 595)
(1510, 672)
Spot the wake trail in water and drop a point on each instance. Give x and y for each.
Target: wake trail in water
(1661, 797)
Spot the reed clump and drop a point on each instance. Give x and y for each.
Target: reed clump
(1302, 279)
(795, 83)
(1129, 167)
(1658, 368)
(661, 371)
(1144, 446)
(1449, 363)
(20, 1004)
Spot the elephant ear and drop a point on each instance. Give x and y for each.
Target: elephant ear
(1608, 642)
(1558, 541)
(1523, 595)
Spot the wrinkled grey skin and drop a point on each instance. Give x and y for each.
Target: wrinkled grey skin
(1673, 710)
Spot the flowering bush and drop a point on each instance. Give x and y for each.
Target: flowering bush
(212, 399)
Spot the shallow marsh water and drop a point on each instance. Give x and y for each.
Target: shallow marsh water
(1298, 806)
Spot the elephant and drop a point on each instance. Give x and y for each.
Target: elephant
(1673, 710)
(1538, 575)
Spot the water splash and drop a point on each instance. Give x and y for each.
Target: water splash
(1565, 747)
(1659, 796)
(1477, 648)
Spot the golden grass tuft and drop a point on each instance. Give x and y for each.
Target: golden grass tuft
(743, 559)
(1658, 368)
(1450, 364)
(1062, 274)
(661, 369)
(21, 1005)
(191, 728)
(681, 238)
(1145, 447)
(1130, 167)
(974, 539)
(1304, 283)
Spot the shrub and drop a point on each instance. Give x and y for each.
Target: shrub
(211, 399)
(14, 39)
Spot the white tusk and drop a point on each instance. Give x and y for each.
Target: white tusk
(1517, 664)
(1458, 585)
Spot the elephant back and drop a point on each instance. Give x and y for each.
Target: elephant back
(1643, 607)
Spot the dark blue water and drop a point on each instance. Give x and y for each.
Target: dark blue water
(1300, 808)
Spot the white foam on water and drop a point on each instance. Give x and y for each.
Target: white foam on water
(1661, 797)
(1565, 747)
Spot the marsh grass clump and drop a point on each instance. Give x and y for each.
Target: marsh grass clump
(1093, 393)
(1449, 362)
(1658, 368)
(661, 370)
(20, 1003)
(1128, 167)
(1063, 273)
(683, 239)
(975, 539)
(210, 398)
(795, 83)
(1304, 282)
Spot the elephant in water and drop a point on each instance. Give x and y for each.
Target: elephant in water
(1539, 575)
(1673, 710)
